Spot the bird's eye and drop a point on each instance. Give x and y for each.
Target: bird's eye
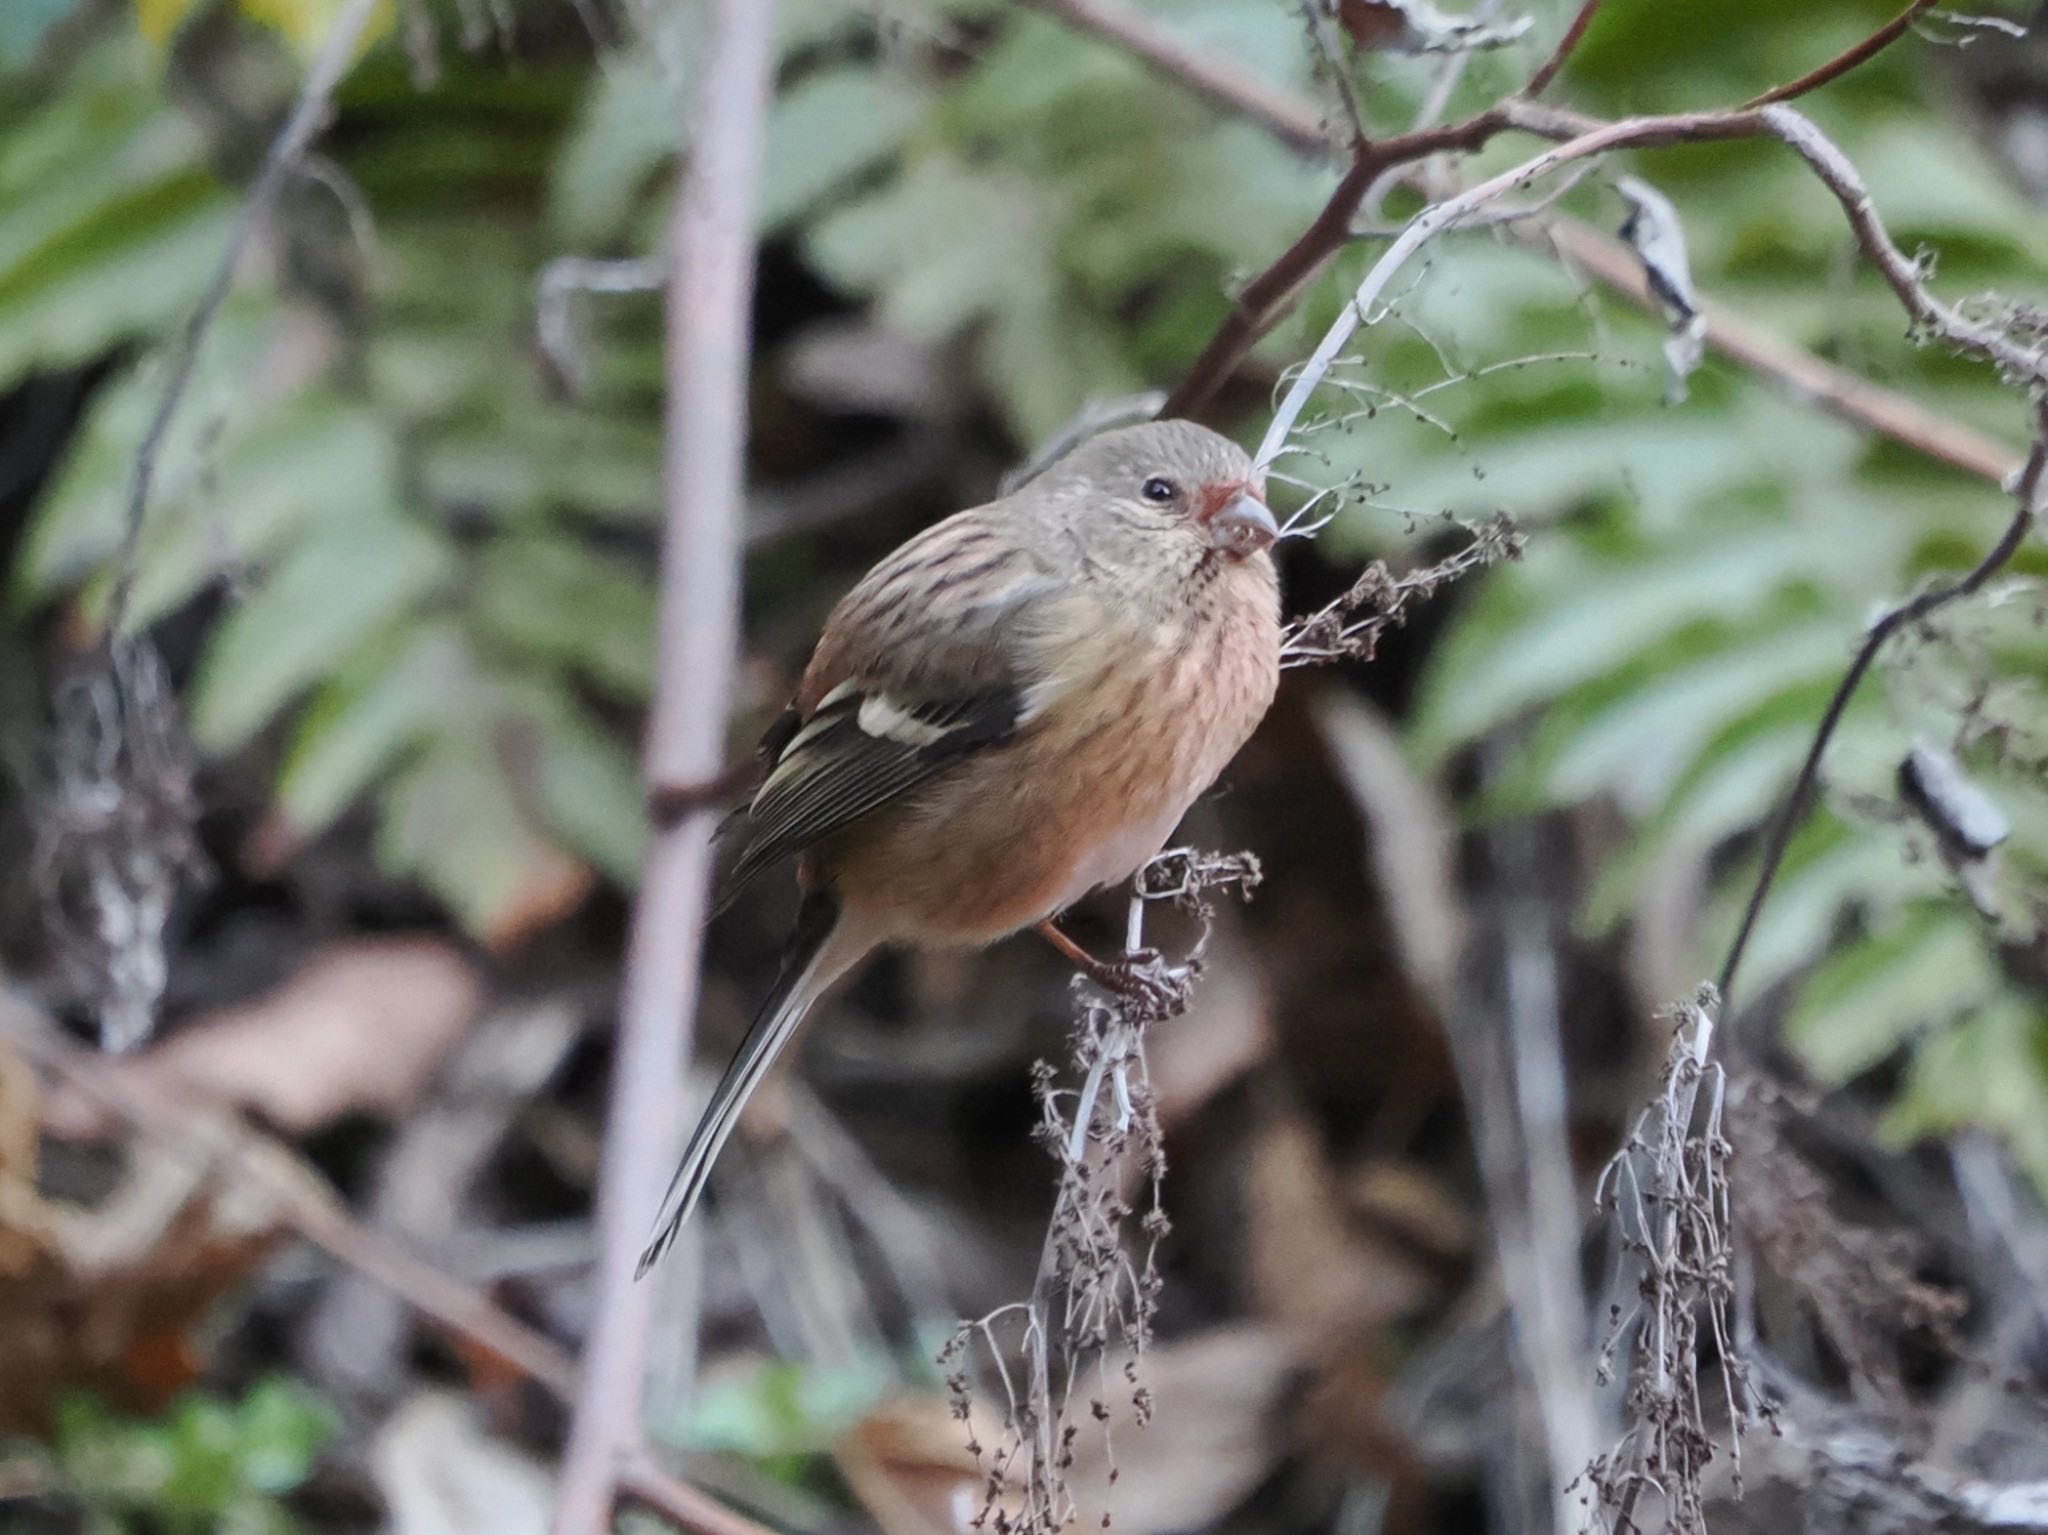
(1159, 489)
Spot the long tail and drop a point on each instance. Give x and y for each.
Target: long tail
(819, 953)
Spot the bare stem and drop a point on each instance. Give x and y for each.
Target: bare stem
(337, 50)
(2026, 491)
(1859, 401)
(709, 301)
(1566, 45)
(1223, 83)
(1847, 59)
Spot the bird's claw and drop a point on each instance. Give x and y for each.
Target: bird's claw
(1141, 977)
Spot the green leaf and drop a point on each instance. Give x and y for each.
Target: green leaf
(453, 819)
(1988, 1070)
(325, 597)
(834, 125)
(281, 1428)
(627, 129)
(580, 783)
(238, 477)
(555, 602)
(780, 1408)
(1639, 748)
(385, 701)
(1529, 642)
(1926, 970)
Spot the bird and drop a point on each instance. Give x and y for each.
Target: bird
(1014, 708)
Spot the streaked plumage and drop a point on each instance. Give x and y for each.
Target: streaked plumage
(1014, 708)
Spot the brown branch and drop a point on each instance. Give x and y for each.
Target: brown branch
(1224, 84)
(1865, 404)
(1847, 396)
(1566, 45)
(1844, 61)
(647, 1484)
(1268, 295)
(709, 302)
(1264, 297)
(669, 803)
(2026, 491)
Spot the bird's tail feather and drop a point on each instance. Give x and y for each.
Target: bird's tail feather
(813, 962)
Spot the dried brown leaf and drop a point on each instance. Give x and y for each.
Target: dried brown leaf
(360, 1028)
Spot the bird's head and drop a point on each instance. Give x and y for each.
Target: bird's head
(1169, 479)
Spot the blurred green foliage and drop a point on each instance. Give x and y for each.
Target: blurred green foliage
(782, 1416)
(441, 568)
(204, 1467)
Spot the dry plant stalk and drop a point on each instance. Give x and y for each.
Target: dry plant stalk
(1350, 628)
(116, 838)
(1089, 1317)
(1666, 1191)
(114, 835)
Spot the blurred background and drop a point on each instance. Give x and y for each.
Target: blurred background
(398, 575)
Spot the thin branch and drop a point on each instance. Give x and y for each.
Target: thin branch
(2026, 491)
(1846, 396)
(1266, 296)
(1566, 45)
(1630, 133)
(647, 1484)
(669, 803)
(337, 51)
(1906, 277)
(1224, 84)
(561, 281)
(709, 302)
(110, 877)
(1846, 60)
(1858, 401)
(170, 1125)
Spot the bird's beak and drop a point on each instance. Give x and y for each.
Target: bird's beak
(1243, 525)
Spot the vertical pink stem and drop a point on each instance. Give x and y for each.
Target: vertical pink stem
(710, 296)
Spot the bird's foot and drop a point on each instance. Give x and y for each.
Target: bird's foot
(1141, 977)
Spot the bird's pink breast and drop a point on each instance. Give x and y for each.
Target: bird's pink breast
(1090, 792)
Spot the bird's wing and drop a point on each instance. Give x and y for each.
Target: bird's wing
(927, 660)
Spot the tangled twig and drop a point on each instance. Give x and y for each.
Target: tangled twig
(1089, 1316)
(1667, 1193)
(1350, 628)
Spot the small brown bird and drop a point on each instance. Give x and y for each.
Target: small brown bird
(1013, 709)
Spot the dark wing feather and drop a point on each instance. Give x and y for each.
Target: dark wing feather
(902, 685)
(842, 772)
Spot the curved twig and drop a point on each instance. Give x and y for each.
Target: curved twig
(1846, 60)
(2027, 492)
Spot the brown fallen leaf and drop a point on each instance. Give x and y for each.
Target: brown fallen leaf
(907, 1462)
(361, 1027)
(113, 1297)
(1205, 1448)
(1317, 1267)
